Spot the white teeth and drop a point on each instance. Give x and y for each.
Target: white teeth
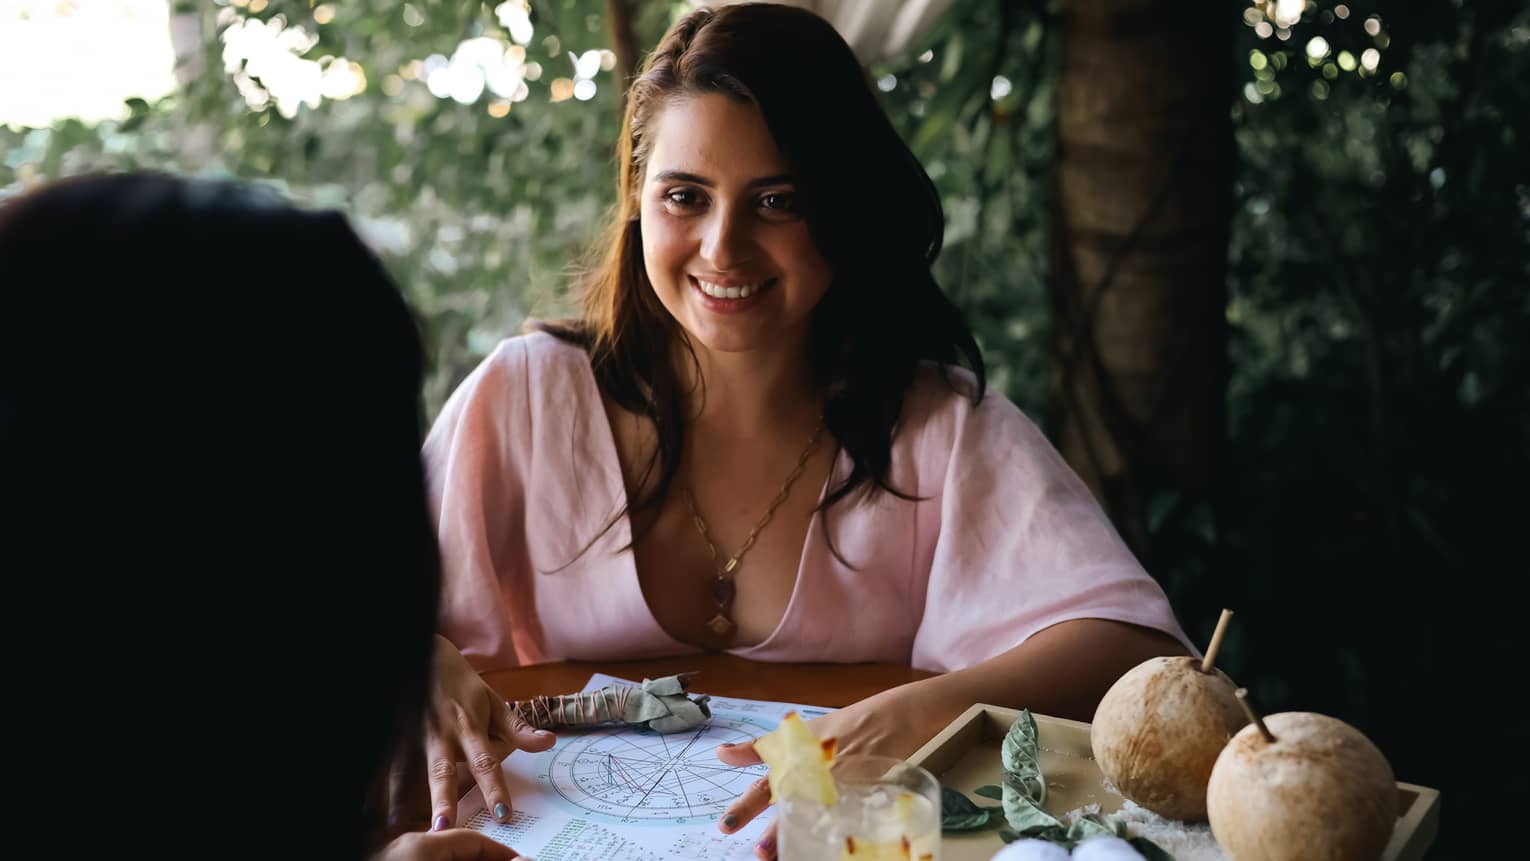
(719, 292)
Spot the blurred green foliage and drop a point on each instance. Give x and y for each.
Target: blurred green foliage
(1380, 259)
(481, 219)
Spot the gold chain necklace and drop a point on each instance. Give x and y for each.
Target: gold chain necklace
(721, 624)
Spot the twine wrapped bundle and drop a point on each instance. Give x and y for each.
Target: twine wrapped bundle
(661, 705)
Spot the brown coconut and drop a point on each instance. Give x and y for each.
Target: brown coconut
(1158, 732)
(1321, 790)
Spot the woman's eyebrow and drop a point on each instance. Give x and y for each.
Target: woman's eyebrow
(697, 179)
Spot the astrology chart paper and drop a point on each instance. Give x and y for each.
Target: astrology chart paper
(617, 793)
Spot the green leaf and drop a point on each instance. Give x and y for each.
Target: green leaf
(1160, 506)
(952, 58)
(1148, 849)
(138, 111)
(1021, 767)
(957, 802)
(959, 813)
(934, 127)
(1024, 787)
(1095, 825)
(956, 824)
(1024, 790)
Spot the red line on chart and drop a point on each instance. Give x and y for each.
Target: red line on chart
(615, 765)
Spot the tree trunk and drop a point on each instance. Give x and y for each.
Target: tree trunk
(1141, 204)
(623, 36)
(188, 45)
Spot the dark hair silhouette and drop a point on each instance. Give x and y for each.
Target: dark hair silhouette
(870, 207)
(221, 582)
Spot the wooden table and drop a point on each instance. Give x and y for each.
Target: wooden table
(828, 685)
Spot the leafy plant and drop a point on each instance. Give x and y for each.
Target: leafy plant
(959, 813)
(1024, 790)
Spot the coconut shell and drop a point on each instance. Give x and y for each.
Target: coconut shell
(1158, 731)
(1320, 792)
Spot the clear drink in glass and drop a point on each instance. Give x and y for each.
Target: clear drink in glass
(887, 809)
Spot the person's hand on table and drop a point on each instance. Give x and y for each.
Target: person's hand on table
(890, 723)
(467, 722)
(454, 845)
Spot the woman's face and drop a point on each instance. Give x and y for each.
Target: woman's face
(723, 244)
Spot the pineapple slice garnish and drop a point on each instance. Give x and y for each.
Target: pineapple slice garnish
(860, 850)
(798, 761)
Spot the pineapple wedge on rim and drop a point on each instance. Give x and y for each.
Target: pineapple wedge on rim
(798, 761)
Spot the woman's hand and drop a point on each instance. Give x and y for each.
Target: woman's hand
(466, 721)
(895, 722)
(454, 845)
(1062, 670)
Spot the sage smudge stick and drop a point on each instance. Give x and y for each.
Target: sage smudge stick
(662, 705)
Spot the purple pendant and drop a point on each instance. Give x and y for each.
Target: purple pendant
(722, 592)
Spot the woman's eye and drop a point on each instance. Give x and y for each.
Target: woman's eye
(685, 198)
(779, 202)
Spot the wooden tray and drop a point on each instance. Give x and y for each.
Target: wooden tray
(965, 755)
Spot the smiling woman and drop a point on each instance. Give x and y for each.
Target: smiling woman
(769, 433)
(722, 233)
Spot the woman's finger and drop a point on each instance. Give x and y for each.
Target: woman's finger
(454, 845)
(483, 762)
(441, 773)
(408, 790)
(765, 850)
(738, 755)
(747, 806)
(509, 724)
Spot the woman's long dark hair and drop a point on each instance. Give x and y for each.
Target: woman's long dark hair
(871, 209)
(209, 443)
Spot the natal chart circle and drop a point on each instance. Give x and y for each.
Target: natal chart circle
(655, 778)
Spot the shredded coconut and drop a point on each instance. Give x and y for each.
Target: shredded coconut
(1184, 841)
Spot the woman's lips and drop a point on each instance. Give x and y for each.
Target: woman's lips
(724, 305)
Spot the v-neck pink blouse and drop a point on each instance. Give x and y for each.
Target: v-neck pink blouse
(1004, 540)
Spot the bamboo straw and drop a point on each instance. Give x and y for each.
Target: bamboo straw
(1216, 642)
(1242, 695)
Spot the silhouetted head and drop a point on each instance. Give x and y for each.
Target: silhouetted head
(221, 581)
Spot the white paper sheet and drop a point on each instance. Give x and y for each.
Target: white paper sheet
(615, 793)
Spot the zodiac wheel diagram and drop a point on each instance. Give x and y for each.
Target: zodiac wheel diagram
(673, 779)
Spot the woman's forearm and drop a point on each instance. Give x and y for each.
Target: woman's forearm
(1061, 671)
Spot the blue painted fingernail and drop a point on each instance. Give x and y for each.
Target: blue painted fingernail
(769, 845)
(730, 821)
(441, 824)
(501, 811)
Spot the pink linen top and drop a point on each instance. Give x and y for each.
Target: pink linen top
(1004, 540)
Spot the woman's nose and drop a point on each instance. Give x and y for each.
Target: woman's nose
(728, 241)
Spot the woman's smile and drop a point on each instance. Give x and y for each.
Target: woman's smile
(726, 246)
(730, 296)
